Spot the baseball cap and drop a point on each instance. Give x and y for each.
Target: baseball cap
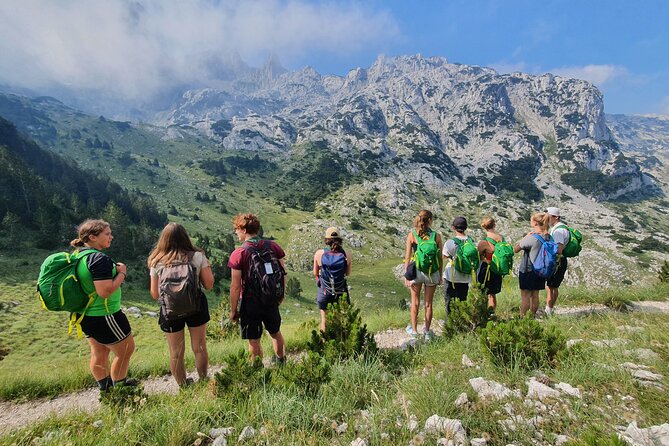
(332, 232)
(555, 212)
(460, 223)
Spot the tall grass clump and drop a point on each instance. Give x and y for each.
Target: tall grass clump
(522, 343)
(468, 315)
(663, 274)
(239, 376)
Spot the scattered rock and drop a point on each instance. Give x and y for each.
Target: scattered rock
(418, 439)
(369, 295)
(247, 433)
(133, 310)
(359, 442)
(491, 389)
(651, 436)
(466, 361)
(220, 441)
(568, 389)
(645, 375)
(561, 439)
(572, 342)
(151, 313)
(342, 428)
(617, 342)
(446, 426)
(535, 389)
(462, 400)
(97, 424)
(644, 354)
(412, 425)
(630, 329)
(478, 442)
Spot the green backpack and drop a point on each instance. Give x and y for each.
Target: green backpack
(502, 257)
(573, 247)
(427, 256)
(467, 258)
(58, 287)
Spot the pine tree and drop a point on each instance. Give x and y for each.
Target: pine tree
(664, 273)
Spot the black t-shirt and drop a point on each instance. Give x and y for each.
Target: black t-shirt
(100, 265)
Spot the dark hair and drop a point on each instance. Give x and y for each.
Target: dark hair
(86, 229)
(488, 223)
(335, 244)
(173, 244)
(422, 222)
(246, 222)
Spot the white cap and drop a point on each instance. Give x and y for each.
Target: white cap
(555, 212)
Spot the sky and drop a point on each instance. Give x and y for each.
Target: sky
(133, 49)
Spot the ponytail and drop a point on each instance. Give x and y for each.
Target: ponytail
(334, 243)
(541, 218)
(86, 229)
(422, 222)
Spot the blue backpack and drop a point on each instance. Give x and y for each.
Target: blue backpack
(333, 272)
(546, 262)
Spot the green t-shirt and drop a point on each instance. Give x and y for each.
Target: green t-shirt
(99, 266)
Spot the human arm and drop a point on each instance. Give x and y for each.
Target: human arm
(282, 262)
(317, 264)
(235, 292)
(155, 293)
(440, 245)
(106, 287)
(348, 265)
(408, 255)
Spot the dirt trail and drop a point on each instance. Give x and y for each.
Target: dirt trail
(17, 415)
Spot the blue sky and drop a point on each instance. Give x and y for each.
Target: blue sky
(621, 46)
(135, 50)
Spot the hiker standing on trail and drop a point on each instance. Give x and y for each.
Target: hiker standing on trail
(561, 235)
(529, 281)
(461, 257)
(331, 267)
(178, 272)
(422, 266)
(488, 277)
(104, 324)
(259, 279)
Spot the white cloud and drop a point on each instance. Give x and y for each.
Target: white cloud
(596, 74)
(136, 48)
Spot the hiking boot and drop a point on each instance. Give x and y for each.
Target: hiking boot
(410, 331)
(188, 382)
(429, 335)
(128, 382)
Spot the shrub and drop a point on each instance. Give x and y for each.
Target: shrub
(293, 287)
(222, 327)
(521, 343)
(345, 335)
(124, 398)
(307, 376)
(616, 302)
(239, 376)
(663, 275)
(468, 315)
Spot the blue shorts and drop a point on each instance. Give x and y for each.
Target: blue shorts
(323, 299)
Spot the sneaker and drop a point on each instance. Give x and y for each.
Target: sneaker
(188, 382)
(548, 311)
(429, 335)
(410, 331)
(276, 360)
(128, 382)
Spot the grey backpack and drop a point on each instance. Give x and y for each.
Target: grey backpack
(179, 290)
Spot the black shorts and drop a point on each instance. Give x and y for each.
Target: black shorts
(459, 290)
(110, 329)
(195, 320)
(252, 317)
(556, 279)
(494, 283)
(323, 299)
(531, 281)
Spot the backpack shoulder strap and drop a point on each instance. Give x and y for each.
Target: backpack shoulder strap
(540, 238)
(492, 241)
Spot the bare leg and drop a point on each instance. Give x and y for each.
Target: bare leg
(278, 344)
(551, 296)
(323, 320)
(123, 351)
(525, 296)
(415, 304)
(534, 302)
(429, 296)
(198, 342)
(99, 363)
(255, 349)
(492, 301)
(176, 344)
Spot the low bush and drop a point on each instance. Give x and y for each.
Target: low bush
(239, 376)
(616, 302)
(468, 315)
(345, 335)
(521, 343)
(307, 376)
(124, 398)
(221, 327)
(663, 275)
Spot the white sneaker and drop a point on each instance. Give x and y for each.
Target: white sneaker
(548, 311)
(410, 331)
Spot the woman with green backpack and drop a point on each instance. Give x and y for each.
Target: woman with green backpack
(422, 266)
(496, 260)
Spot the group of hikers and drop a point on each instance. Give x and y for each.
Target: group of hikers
(180, 271)
(429, 261)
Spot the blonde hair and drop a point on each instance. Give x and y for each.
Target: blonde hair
(422, 222)
(488, 223)
(246, 222)
(86, 229)
(173, 244)
(541, 218)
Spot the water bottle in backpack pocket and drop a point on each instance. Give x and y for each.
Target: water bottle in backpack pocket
(333, 272)
(545, 263)
(179, 291)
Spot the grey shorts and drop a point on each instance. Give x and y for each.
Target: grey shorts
(426, 280)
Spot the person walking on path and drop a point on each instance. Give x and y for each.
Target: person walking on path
(529, 281)
(457, 282)
(332, 265)
(490, 281)
(561, 235)
(423, 245)
(106, 327)
(256, 261)
(174, 249)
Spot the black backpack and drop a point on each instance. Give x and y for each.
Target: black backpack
(265, 278)
(179, 290)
